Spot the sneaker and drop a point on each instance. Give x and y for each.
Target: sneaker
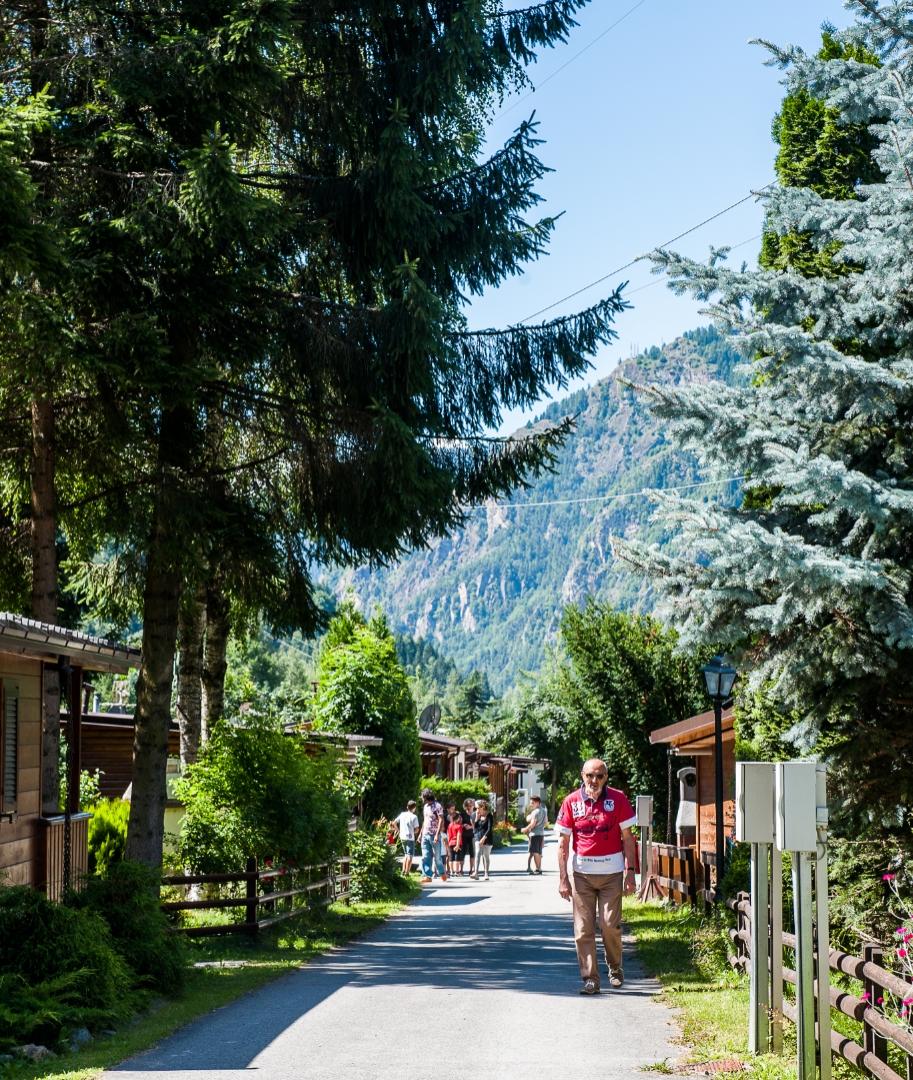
(475, 877)
(539, 872)
(616, 978)
(487, 878)
(424, 880)
(443, 877)
(590, 986)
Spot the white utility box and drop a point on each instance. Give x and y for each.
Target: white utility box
(754, 802)
(796, 801)
(644, 810)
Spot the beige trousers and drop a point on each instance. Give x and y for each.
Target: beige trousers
(592, 892)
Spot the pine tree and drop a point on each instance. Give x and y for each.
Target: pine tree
(812, 583)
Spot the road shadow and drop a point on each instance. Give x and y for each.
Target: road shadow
(426, 947)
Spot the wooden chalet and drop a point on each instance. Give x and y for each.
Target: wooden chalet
(447, 757)
(107, 746)
(32, 846)
(694, 738)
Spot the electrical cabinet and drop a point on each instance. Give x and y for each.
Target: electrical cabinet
(644, 810)
(754, 802)
(796, 801)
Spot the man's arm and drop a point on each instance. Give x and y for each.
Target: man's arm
(630, 848)
(564, 884)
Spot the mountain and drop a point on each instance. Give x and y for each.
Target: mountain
(491, 594)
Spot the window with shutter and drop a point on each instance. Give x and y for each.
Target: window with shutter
(9, 747)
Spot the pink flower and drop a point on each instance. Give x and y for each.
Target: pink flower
(908, 1001)
(888, 877)
(901, 952)
(866, 996)
(879, 1001)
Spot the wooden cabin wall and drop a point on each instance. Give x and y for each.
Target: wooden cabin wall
(706, 796)
(19, 839)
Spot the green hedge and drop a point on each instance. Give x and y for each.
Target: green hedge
(457, 791)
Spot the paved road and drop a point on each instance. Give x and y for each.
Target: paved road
(474, 980)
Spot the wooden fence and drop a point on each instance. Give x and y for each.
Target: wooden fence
(268, 895)
(675, 872)
(877, 982)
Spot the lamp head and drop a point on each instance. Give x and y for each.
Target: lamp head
(719, 677)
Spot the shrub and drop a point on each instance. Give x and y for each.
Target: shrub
(127, 898)
(502, 834)
(257, 791)
(107, 834)
(374, 869)
(58, 969)
(457, 791)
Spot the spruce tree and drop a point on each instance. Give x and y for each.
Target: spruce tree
(269, 228)
(811, 584)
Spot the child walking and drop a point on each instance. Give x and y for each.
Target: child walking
(482, 839)
(455, 843)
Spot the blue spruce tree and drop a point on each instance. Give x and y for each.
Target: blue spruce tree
(809, 580)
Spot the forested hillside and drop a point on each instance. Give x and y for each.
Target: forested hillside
(491, 594)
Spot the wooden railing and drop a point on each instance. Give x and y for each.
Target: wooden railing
(53, 842)
(675, 872)
(706, 890)
(255, 890)
(877, 982)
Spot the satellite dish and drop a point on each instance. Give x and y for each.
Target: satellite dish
(430, 718)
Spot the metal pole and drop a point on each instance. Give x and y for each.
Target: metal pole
(776, 950)
(758, 1027)
(805, 963)
(822, 929)
(718, 769)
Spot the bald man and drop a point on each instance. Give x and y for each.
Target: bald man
(599, 818)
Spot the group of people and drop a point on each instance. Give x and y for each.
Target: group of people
(595, 819)
(448, 838)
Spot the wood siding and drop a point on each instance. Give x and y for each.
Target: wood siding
(19, 854)
(108, 747)
(706, 796)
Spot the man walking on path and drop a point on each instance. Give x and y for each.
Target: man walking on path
(599, 818)
(535, 830)
(432, 824)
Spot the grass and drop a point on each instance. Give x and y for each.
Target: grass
(273, 953)
(686, 952)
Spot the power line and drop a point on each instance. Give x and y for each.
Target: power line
(640, 258)
(662, 278)
(609, 498)
(576, 56)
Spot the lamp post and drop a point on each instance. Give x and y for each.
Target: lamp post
(719, 677)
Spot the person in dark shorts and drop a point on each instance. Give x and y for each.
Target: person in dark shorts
(468, 816)
(536, 818)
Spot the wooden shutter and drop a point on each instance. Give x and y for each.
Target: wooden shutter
(9, 746)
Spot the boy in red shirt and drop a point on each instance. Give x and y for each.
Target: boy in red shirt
(455, 842)
(599, 818)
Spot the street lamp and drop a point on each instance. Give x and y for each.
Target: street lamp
(719, 677)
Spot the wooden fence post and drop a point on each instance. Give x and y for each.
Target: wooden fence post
(691, 875)
(251, 912)
(872, 1041)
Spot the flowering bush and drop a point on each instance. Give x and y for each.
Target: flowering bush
(899, 956)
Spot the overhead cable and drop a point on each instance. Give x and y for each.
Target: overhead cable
(632, 262)
(609, 498)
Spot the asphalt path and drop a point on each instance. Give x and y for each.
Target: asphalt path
(474, 980)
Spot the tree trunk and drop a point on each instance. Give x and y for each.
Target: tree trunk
(190, 689)
(43, 540)
(214, 659)
(161, 605)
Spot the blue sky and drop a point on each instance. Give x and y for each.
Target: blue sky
(661, 122)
